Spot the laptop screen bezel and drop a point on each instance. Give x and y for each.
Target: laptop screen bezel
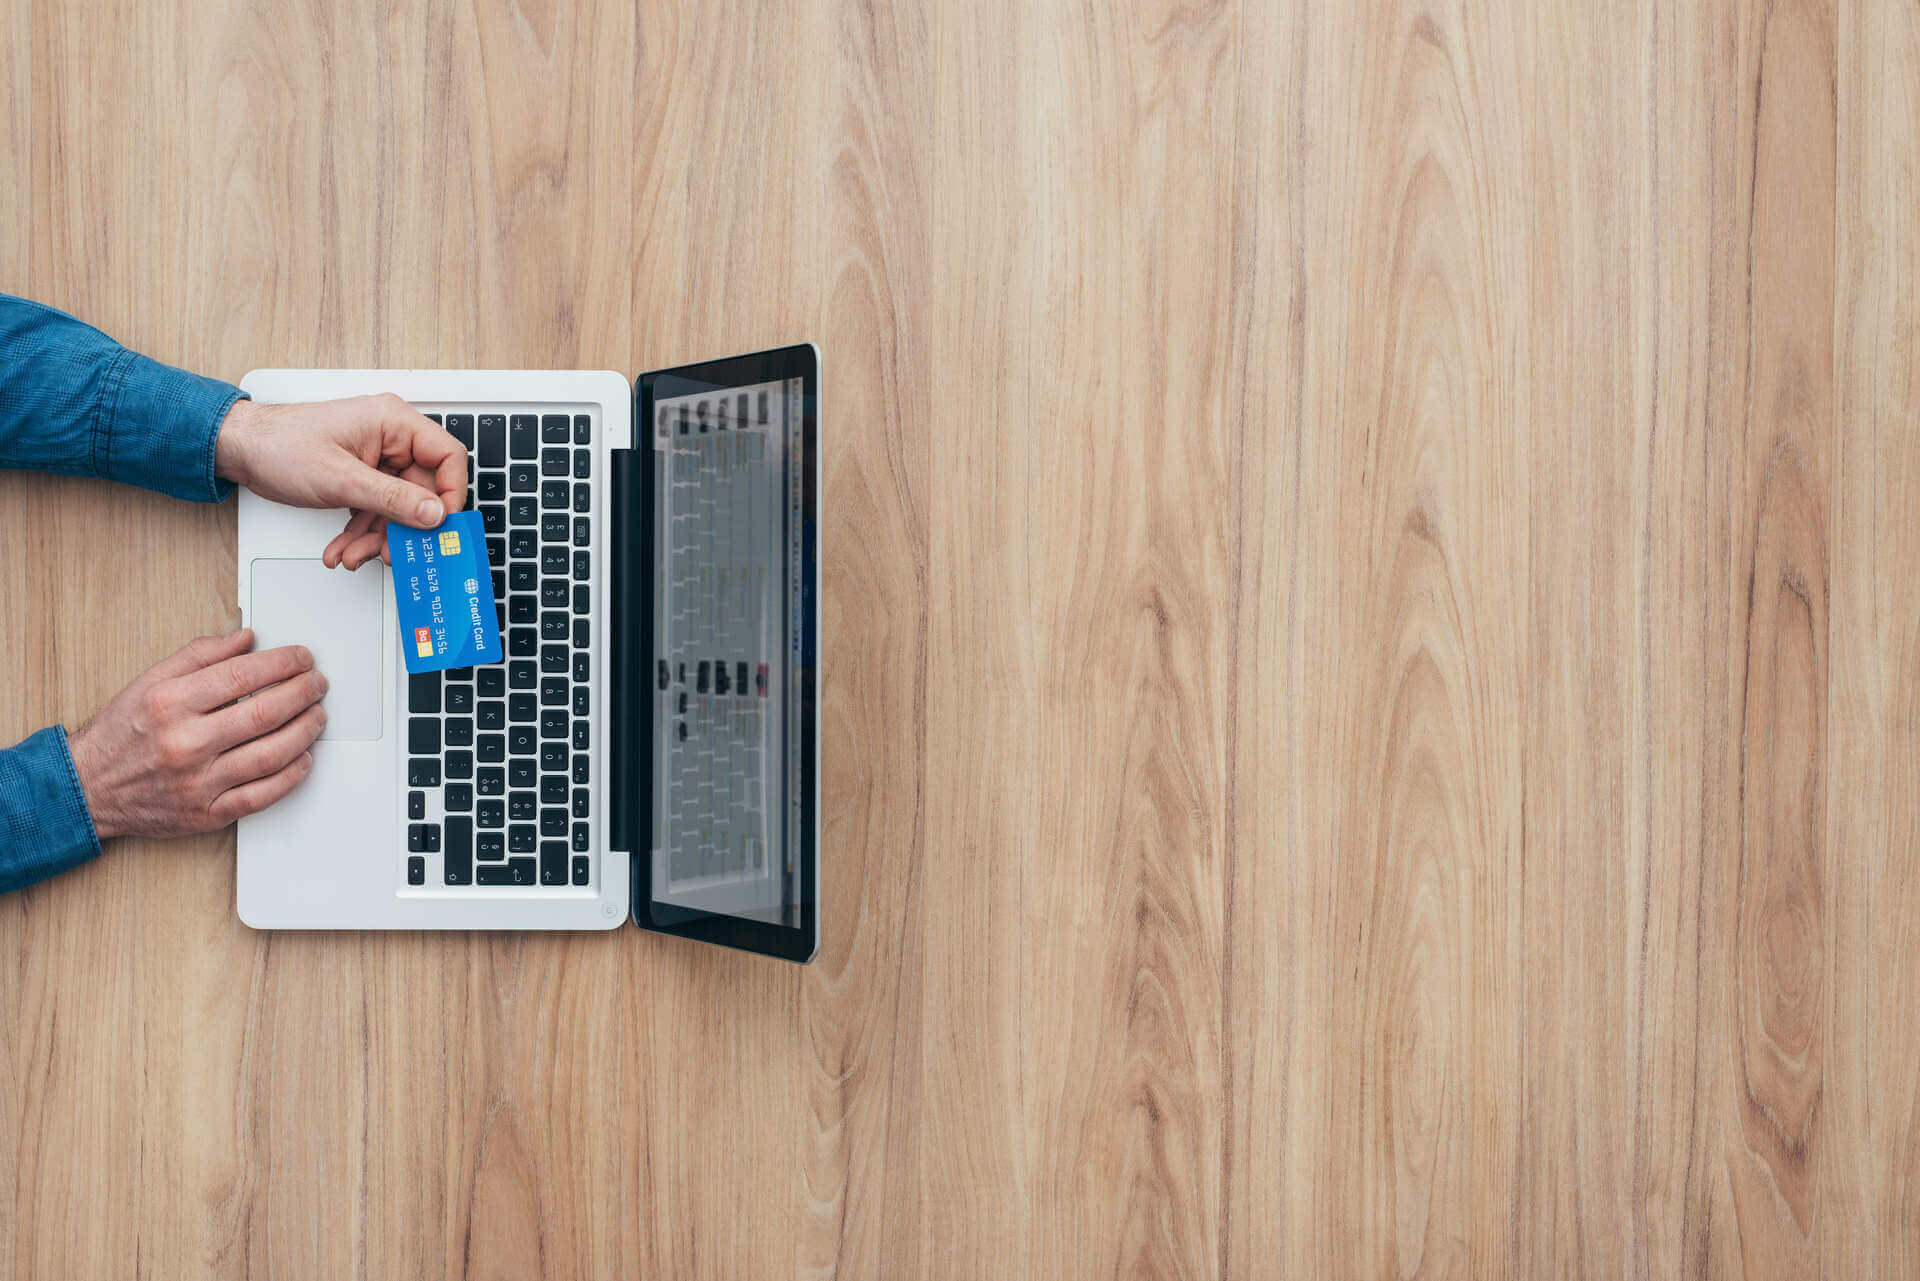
(794, 944)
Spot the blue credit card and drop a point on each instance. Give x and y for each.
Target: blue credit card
(444, 589)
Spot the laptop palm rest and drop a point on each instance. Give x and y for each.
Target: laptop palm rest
(336, 614)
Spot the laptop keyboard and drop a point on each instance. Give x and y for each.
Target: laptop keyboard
(499, 767)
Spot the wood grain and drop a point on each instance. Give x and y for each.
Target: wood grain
(1372, 685)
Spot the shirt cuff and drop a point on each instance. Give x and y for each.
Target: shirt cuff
(44, 823)
(160, 426)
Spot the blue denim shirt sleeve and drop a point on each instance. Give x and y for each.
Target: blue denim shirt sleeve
(44, 824)
(75, 402)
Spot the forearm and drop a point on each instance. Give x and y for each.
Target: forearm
(44, 824)
(75, 402)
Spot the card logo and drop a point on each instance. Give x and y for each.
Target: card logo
(423, 642)
(471, 587)
(450, 543)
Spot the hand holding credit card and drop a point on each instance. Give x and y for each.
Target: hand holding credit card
(443, 588)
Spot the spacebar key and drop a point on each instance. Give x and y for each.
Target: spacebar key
(456, 852)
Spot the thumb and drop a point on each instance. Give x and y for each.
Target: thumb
(392, 497)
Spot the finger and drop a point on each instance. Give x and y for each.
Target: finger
(366, 546)
(250, 798)
(241, 675)
(441, 459)
(202, 651)
(389, 496)
(263, 713)
(270, 753)
(357, 524)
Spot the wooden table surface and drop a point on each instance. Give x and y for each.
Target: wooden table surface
(1372, 683)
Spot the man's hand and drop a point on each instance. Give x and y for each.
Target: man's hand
(373, 454)
(174, 752)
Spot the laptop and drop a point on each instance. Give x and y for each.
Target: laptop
(647, 749)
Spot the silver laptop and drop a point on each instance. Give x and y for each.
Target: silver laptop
(648, 747)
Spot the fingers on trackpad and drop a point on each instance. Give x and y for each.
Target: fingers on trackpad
(336, 614)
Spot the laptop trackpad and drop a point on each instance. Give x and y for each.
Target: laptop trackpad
(336, 614)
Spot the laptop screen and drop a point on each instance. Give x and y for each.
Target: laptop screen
(733, 739)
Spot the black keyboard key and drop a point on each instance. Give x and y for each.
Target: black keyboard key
(423, 692)
(522, 869)
(553, 560)
(682, 709)
(580, 739)
(582, 667)
(553, 691)
(582, 599)
(523, 478)
(522, 609)
(521, 772)
(460, 731)
(493, 440)
(582, 633)
(499, 587)
(681, 726)
(523, 642)
(459, 764)
(493, 781)
(492, 814)
(491, 845)
(492, 714)
(553, 658)
(459, 797)
(524, 438)
(740, 676)
(521, 512)
(521, 839)
(423, 838)
(720, 678)
(583, 497)
(491, 749)
(582, 429)
(416, 805)
(503, 873)
(553, 625)
(580, 770)
(579, 869)
(522, 708)
(492, 486)
(582, 567)
(553, 723)
(582, 531)
(553, 428)
(553, 593)
(416, 870)
(492, 680)
(700, 681)
(666, 675)
(459, 699)
(521, 740)
(496, 551)
(582, 700)
(553, 822)
(553, 462)
(423, 773)
(580, 838)
(459, 855)
(423, 735)
(522, 675)
(523, 577)
(579, 802)
(553, 527)
(553, 789)
(553, 756)
(553, 495)
(494, 516)
(522, 543)
(582, 464)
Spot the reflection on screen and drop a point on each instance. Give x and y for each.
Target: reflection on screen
(728, 507)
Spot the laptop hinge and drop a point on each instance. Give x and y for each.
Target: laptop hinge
(630, 588)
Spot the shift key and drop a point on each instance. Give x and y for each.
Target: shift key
(457, 851)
